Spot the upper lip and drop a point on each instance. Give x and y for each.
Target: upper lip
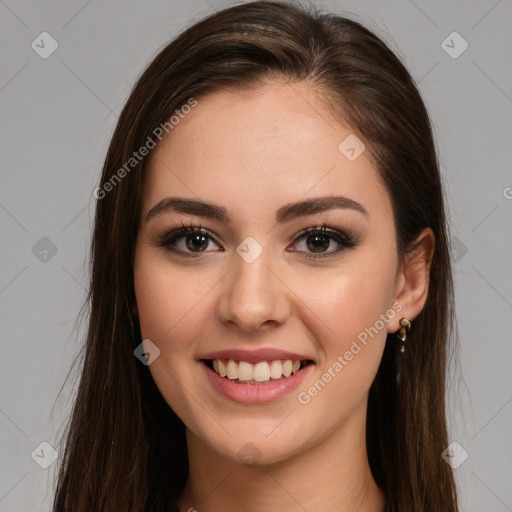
(254, 356)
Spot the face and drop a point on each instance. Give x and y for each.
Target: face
(263, 281)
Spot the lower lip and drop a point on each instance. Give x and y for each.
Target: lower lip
(255, 393)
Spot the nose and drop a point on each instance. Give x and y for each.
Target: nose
(253, 295)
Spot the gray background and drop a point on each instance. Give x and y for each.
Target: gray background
(57, 117)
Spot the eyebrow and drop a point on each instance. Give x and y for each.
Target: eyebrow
(286, 213)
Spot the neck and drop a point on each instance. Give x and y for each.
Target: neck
(334, 474)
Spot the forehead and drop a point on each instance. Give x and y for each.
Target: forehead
(259, 149)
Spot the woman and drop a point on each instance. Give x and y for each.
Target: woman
(271, 292)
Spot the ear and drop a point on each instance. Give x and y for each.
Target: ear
(413, 279)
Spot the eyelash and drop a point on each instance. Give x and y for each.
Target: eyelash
(345, 239)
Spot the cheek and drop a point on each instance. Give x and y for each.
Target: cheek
(171, 307)
(169, 300)
(346, 301)
(356, 330)
(348, 313)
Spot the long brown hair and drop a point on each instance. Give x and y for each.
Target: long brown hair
(125, 448)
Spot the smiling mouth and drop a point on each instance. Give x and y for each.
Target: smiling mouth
(264, 372)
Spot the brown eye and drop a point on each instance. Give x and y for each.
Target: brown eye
(195, 240)
(316, 242)
(196, 243)
(187, 240)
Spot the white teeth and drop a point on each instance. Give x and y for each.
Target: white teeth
(276, 369)
(232, 370)
(244, 370)
(222, 367)
(259, 372)
(287, 368)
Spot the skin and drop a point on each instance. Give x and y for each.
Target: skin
(252, 153)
